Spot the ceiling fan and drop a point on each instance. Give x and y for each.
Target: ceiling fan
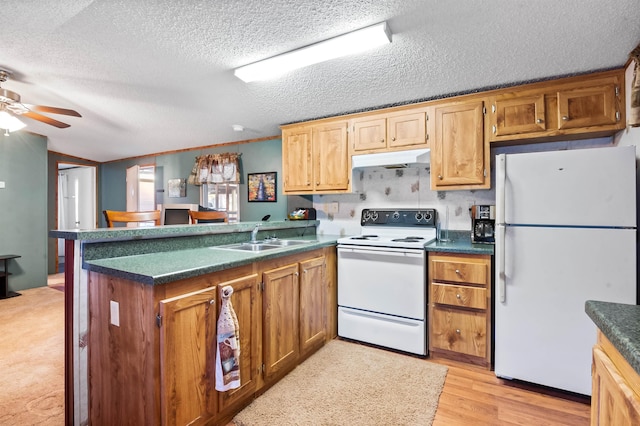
(11, 107)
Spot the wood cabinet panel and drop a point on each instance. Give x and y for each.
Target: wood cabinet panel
(592, 106)
(459, 159)
(460, 306)
(459, 331)
(369, 134)
(331, 159)
(297, 162)
(518, 115)
(407, 130)
(246, 305)
(467, 270)
(187, 356)
(280, 318)
(461, 296)
(313, 305)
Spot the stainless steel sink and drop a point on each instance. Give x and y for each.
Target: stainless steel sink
(288, 242)
(258, 246)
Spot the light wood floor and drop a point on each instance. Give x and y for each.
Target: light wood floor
(475, 396)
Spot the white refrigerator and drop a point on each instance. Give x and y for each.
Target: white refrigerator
(565, 234)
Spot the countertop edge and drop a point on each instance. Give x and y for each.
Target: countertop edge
(618, 322)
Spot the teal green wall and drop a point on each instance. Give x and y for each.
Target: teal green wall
(23, 208)
(264, 156)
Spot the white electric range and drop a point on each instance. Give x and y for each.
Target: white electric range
(382, 279)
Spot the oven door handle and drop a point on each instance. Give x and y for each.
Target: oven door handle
(384, 252)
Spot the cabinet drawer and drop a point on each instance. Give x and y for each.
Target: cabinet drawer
(455, 295)
(460, 271)
(459, 331)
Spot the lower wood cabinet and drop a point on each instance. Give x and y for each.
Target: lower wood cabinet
(460, 307)
(615, 399)
(157, 365)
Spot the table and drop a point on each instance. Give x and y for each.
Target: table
(4, 277)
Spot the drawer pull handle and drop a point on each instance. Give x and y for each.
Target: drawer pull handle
(458, 296)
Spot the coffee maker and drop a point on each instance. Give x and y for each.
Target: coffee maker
(483, 222)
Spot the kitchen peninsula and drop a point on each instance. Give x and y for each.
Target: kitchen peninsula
(142, 305)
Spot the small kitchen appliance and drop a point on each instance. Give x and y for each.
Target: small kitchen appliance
(382, 276)
(483, 223)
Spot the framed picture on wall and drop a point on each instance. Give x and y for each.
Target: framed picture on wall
(262, 187)
(177, 188)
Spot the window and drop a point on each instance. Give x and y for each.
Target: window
(223, 197)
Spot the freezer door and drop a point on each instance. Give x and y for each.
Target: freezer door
(581, 187)
(542, 333)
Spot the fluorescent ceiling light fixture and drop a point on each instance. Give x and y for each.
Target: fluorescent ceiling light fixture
(10, 123)
(346, 44)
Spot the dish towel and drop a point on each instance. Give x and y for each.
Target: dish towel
(228, 345)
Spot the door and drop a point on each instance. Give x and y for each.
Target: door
(280, 310)
(583, 187)
(542, 334)
(133, 174)
(187, 356)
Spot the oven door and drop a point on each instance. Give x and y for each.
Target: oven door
(385, 280)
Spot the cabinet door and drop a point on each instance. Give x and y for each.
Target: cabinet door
(613, 401)
(247, 308)
(187, 356)
(313, 296)
(369, 134)
(459, 331)
(296, 159)
(331, 159)
(407, 129)
(280, 307)
(591, 106)
(518, 115)
(458, 153)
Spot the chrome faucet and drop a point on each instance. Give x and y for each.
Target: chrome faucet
(254, 233)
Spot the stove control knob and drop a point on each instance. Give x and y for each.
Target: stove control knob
(418, 216)
(374, 216)
(427, 216)
(366, 216)
(395, 215)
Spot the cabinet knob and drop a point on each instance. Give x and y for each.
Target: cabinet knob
(381, 140)
(565, 118)
(539, 120)
(304, 271)
(458, 331)
(317, 183)
(440, 177)
(458, 296)
(296, 274)
(458, 272)
(212, 301)
(308, 183)
(393, 138)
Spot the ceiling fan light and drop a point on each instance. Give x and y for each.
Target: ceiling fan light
(346, 44)
(10, 123)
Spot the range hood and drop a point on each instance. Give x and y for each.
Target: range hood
(391, 160)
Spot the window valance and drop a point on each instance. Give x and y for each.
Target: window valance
(215, 168)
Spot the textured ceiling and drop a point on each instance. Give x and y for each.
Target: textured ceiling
(150, 76)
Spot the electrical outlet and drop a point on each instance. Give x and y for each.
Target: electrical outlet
(115, 313)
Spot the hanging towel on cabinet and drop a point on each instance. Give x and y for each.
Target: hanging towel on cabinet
(228, 345)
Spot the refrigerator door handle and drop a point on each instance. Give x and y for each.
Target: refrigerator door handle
(501, 178)
(500, 263)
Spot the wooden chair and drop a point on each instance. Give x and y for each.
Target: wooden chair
(112, 216)
(208, 215)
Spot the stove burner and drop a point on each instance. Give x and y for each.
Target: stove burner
(408, 240)
(411, 237)
(364, 237)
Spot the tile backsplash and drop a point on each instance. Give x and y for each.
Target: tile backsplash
(409, 188)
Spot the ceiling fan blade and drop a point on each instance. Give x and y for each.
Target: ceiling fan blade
(45, 119)
(54, 110)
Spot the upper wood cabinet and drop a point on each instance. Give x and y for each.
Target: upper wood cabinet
(389, 131)
(459, 155)
(315, 158)
(578, 105)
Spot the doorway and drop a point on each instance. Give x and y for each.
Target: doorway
(76, 202)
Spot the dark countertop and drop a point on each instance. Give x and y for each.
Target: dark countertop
(460, 242)
(620, 323)
(169, 266)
